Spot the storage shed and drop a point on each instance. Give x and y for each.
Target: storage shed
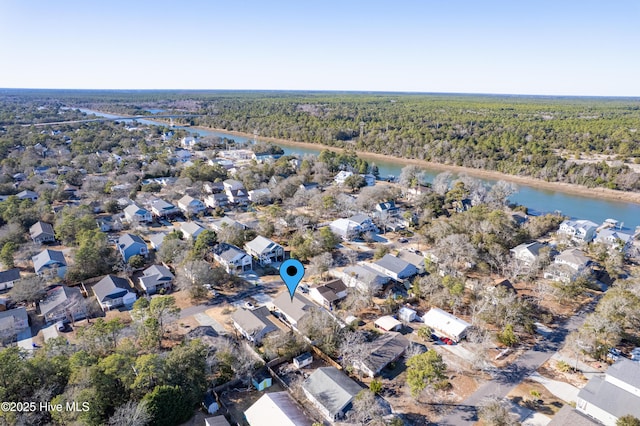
(445, 323)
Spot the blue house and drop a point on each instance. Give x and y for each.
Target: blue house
(51, 262)
(130, 245)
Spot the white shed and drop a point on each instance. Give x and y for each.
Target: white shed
(388, 323)
(445, 323)
(406, 314)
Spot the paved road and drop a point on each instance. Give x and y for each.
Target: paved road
(505, 379)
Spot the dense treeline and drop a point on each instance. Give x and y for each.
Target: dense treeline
(532, 136)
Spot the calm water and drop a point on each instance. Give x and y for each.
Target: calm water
(538, 200)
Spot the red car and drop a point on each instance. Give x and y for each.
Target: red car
(447, 340)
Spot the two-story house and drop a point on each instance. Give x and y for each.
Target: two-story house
(265, 250)
(133, 213)
(191, 206)
(233, 259)
(130, 245)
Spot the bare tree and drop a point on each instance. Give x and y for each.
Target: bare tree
(131, 413)
(320, 264)
(367, 409)
(497, 412)
(500, 192)
(441, 183)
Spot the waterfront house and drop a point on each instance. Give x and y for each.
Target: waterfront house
(614, 239)
(331, 392)
(113, 292)
(156, 278)
(578, 230)
(130, 245)
(341, 177)
(42, 232)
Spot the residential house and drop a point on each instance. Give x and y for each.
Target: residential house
(236, 193)
(578, 230)
(191, 230)
(445, 323)
(8, 278)
(292, 310)
(110, 223)
(253, 324)
(42, 232)
(567, 266)
(341, 177)
(394, 267)
(527, 253)
(156, 278)
(328, 294)
(308, 186)
(233, 259)
(415, 259)
(13, 322)
(386, 210)
(63, 303)
(216, 200)
(213, 187)
(364, 278)
(161, 208)
(27, 195)
(191, 206)
(276, 408)
(265, 250)
(570, 416)
(331, 391)
(225, 222)
(260, 196)
(51, 262)
(346, 229)
(614, 239)
(156, 240)
(369, 179)
(365, 222)
(182, 155)
(188, 142)
(388, 323)
(135, 214)
(614, 396)
(130, 245)
(303, 360)
(113, 292)
(381, 352)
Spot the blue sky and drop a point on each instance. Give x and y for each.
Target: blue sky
(519, 47)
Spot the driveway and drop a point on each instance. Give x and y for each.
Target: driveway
(562, 390)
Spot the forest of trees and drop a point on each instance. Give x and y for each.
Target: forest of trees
(533, 136)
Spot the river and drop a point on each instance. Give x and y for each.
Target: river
(537, 200)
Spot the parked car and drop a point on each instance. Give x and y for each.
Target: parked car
(403, 240)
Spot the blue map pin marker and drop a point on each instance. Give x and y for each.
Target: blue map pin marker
(291, 272)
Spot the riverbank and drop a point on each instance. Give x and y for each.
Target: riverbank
(568, 188)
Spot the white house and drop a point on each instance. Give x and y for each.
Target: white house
(614, 239)
(365, 222)
(406, 314)
(276, 408)
(345, 228)
(216, 200)
(161, 208)
(260, 196)
(341, 177)
(265, 250)
(364, 278)
(527, 253)
(233, 259)
(578, 230)
(329, 293)
(616, 395)
(191, 230)
(133, 213)
(188, 142)
(445, 323)
(190, 205)
(236, 193)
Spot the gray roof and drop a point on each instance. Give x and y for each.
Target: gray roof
(262, 244)
(216, 421)
(533, 248)
(228, 252)
(412, 258)
(160, 204)
(610, 398)
(393, 264)
(569, 416)
(276, 408)
(574, 256)
(254, 321)
(8, 318)
(385, 349)
(191, 227)
(157, 238)
(58, 296)
(627, 371)
(10, 275)
(331, 388)
(366, 274)
(133, 210)
(155, 275)
(360, 218)
(225, 221)
(40, 228)
(41, 259)
(111, 287)
(128, 240)
(294, 309)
